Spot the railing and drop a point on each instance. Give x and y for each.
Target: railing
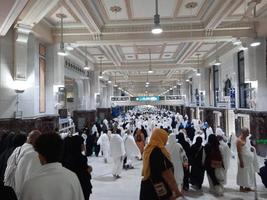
(148, 100)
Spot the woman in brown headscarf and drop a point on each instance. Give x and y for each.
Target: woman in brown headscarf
(140, 140)
(158, 170)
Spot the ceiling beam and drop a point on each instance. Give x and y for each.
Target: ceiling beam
(132, 39)
(35, 11)
(222, 11)
(9, 14)
(79, 9)
(142, 67)
(129, 9)
(111, 55)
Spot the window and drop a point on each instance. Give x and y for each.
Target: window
(216, 84)
(243, 87)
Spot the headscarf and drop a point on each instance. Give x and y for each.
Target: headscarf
(158, 139)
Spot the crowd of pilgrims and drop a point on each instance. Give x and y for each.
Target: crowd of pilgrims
(54, 166)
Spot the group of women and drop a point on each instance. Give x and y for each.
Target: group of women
(163, 155)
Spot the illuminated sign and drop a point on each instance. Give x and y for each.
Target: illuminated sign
(147, 98)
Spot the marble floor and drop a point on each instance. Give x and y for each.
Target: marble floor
(105, 187)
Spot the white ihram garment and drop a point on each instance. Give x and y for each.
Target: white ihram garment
(53, 182)
(28, 166)
(245, 176)
(103, 141)
(117, 151)
(12, 163)
(178, 156)
(131, 148)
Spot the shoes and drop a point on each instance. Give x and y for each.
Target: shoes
(116, 176)
(242, 189)
(106, 160)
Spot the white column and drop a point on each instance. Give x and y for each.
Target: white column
(21, 51)
(86, 84)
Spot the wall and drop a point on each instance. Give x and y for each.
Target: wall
(255, 59)
(7, 94)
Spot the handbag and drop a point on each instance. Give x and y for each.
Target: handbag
(162, 189)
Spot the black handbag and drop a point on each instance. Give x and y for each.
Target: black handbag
(161, 189)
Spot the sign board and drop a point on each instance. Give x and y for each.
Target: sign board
(120, 98)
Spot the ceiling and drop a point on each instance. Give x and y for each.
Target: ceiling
(119, 32)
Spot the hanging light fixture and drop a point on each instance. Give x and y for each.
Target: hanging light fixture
(256, 41)
(101, 72)
(86, 67)
(61, 50)
(156, 28)
(109, 80)
(198, 70)
(69, 47)
(217, 62)
(147, 82)
(150, 71)
(115, 84)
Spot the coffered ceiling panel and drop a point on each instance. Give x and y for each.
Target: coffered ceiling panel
(103, 57)
(147, 48)
(167, 55)
(146, 8)
(128, 50)
(206, 46)
(116, 9)
(62, 10)
(143, 56)
(172, 48)
(185, 9)
(94, 50)
(130, 57)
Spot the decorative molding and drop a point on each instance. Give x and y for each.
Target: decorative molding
(78, 7)
(12, 15)
(22, 32)
(221, 13)
(38, 11)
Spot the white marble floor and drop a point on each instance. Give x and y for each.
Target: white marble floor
(105, 187)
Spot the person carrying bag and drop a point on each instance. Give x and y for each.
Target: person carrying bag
(158, 181)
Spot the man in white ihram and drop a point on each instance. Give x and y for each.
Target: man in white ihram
(131, 149)
(25, 164)
(247, 162)
(52, 182)
(117, 151)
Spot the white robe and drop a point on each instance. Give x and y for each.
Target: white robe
(116, 146)
(226, 155)
(246, 175)
(28, 166)
(131, 148)
(12, 164)
(103, 141)
(178, 157)
(117, 151)
(52, 182)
